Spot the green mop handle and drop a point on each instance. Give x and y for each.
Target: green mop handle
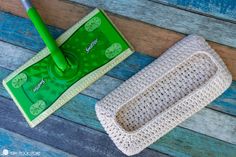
(56, 53)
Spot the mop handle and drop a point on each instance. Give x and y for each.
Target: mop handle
(51, 44)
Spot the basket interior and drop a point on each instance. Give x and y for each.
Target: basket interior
(167, 91)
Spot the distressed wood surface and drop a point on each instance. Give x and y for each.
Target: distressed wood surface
(79, 139)
(170, 18)
(206, 121)
(72, 110)
(147, 38)
(107, 83)
(63, 134)
(227, 99)
(16, 143)
(204, 147)
(223, 9)
(178, 143)
(214, 124)
(123, 71)
(22, 33)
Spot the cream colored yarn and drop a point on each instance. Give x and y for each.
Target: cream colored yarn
(179, 83)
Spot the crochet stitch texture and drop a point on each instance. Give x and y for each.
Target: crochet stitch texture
(183, 80)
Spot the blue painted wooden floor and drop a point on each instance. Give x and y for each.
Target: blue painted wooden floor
(74, 129)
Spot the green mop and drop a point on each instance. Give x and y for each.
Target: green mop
(79, 57)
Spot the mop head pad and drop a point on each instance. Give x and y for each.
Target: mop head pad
(183, 80)
(93, 46)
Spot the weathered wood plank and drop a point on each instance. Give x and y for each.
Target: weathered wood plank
(147, 38)
(171, 18)
(12, 56)
(206, 121)
(123, 71)
(22, 146)
(179, 142)
(72, 111)
(3, 74)
(106, 84)
(131, 66)
(213, 123)
(62, 134)
(22, 32)
(28, 38)
(218, 8)
(226, 101)
(204, 146)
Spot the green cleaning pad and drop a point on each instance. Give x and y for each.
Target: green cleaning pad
(92, 47)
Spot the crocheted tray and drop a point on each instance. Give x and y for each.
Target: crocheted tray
(182, 81)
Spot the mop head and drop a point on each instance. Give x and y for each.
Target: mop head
(93, 46)
(175, 86)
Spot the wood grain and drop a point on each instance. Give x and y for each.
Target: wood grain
(63, 134)
(218, 8)
(20, 31)
(206, 121)
(10, 55)
(178, 147)
(29, 39)
(123, 71)
(204, 147)
(83, 141)
(170, 18)
(147, 38)
(215, 124)
(16, 143)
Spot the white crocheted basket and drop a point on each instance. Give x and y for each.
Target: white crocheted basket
(182, 81)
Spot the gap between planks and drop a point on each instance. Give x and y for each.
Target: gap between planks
(14, 142)
(147, 38)
(28, 36)
(63, 134)
(199, 123)
(178, 142)
(223, 10)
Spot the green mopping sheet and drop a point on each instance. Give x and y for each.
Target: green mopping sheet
(93, 46)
